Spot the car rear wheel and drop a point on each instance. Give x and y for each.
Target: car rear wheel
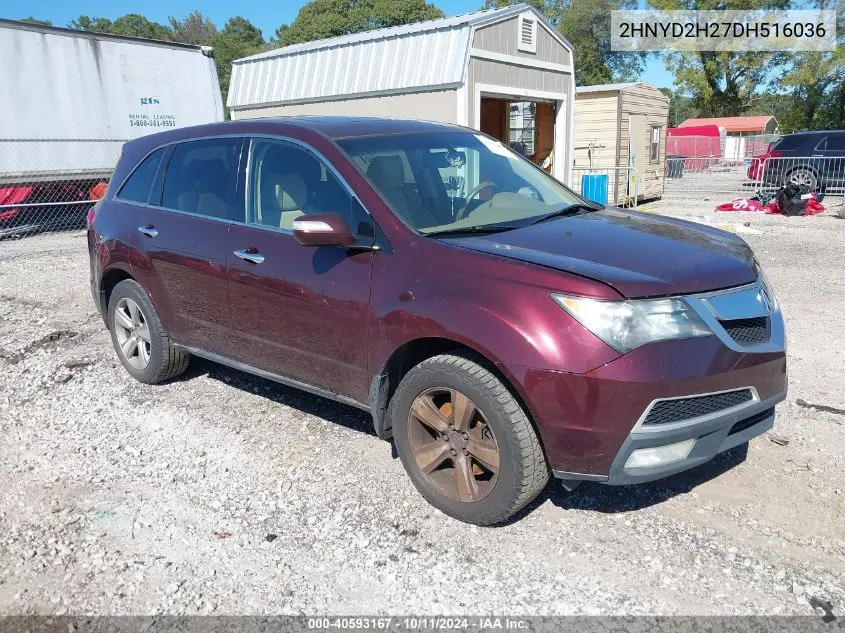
(465, 441)
(803, 176)
(139, 339)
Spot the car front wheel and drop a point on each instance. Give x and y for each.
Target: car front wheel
(465, 441)
(141, 343)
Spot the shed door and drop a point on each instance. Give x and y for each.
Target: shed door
(638, 148)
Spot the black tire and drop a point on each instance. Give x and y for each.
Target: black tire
(523, 471)
(165, 360)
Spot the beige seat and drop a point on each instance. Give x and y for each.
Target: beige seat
(284, 197)
(388, 174)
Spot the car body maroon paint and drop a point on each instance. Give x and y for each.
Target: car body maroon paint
(334, 319)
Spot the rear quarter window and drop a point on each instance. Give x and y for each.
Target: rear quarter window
(137, 187)
(836, 142)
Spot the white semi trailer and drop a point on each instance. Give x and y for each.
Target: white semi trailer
(69, 100)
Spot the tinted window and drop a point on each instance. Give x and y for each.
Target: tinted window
(287, 182)
(137, 186)
(836, 143)
(794, 141)
(201, 177)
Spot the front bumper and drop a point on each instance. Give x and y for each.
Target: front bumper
(713, 434)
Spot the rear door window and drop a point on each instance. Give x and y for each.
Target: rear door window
(793, 141)
(137, 187)
(201, 177)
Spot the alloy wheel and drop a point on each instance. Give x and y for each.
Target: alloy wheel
(453, 445)
(803, 177)
(132, 332)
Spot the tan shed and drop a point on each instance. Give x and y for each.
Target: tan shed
(622, 125)
(506, 72)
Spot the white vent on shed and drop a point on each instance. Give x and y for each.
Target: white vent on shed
(527, 36)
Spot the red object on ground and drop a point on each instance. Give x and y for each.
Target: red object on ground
(98, 191)
(814, 207)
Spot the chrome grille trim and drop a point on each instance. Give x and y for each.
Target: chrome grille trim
(641, 427)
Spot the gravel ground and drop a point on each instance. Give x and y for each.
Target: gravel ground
(222, 493)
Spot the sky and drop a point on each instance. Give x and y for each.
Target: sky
(266, 14)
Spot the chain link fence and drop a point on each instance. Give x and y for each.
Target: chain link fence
(50, 184)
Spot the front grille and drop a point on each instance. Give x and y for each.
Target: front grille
(747, 423)
(748, 331)
(669, 411)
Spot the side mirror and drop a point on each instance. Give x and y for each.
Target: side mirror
(323, 229)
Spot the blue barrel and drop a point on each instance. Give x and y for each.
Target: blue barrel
(594, 187)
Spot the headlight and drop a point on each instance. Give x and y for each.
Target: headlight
(626, 325)
(766, 288)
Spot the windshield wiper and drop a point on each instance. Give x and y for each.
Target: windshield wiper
(482, 229)
(570, 209)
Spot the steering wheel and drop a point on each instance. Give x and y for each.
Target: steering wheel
(462, 212)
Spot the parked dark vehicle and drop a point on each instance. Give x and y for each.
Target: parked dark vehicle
(813, 159)
(497, 326)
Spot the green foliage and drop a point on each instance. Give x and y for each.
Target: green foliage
(32, 20)
(134, 25)
(681, 107)
(87, 23)
(586, 25)
(196, 29)
(319, 19)
(722, 83)
(238, 38)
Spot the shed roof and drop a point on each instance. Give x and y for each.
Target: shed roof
(408, 58)
(605, 87)
(735, 123)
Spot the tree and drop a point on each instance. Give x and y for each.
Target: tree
(722, 83)
(319, 19)
(196, 29)
(134, 25)
(87, 23)
(586, 25)
(32, 20)
(681, 107)
(238, 38)
(279, 35)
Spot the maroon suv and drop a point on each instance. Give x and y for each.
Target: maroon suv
(497, 326)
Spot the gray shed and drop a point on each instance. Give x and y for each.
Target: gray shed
(506, 72)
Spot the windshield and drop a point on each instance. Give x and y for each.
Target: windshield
(454, 180)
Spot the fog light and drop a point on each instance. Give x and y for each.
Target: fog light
(659, 455)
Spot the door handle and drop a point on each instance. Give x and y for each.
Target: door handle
(252, 256)
(149, 231)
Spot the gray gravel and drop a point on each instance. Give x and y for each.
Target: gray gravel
(222, 493)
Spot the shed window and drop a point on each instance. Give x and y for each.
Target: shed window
(527, 34)
(654, 155)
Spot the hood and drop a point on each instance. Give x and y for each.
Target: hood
(638, 254)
